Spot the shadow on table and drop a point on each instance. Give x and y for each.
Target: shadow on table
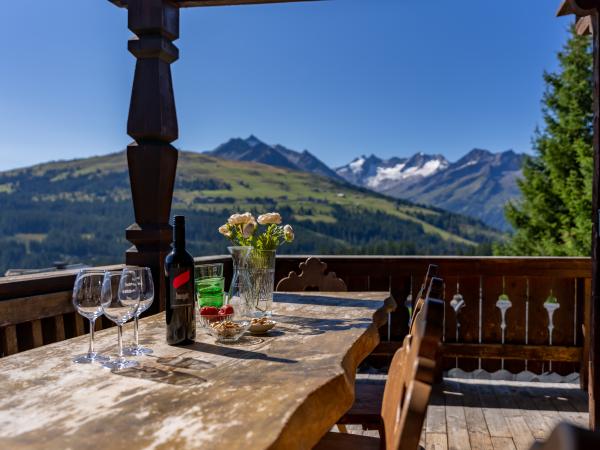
(320, 300)
(314, 326)
(151, 373)
(182, 362)
(236, 353)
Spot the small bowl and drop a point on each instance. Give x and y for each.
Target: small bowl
(226, 329)
(256, 327)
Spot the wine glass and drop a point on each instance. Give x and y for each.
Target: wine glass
(142, 278)
(87, 292)
(119, 305)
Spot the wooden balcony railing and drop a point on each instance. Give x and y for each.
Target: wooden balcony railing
(36, 309)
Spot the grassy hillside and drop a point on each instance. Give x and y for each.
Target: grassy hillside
(77, 210)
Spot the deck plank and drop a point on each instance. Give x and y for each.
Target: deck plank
(494, 418)
(479, 435)
(436, 441)
(503, 443)
(521, 434)
(491, 414)
(456, 423)
(436, 412)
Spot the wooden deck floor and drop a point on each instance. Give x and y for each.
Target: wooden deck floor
(477, 414)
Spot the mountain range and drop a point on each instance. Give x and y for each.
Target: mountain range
(76, 211)
(478, 185)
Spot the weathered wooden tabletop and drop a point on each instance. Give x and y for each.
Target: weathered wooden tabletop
(282, 390)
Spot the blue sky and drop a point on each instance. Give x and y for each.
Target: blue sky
(339, 78)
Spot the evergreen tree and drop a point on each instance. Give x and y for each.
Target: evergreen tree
(554, 215)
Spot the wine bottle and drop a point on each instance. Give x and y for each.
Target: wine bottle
(179, 277)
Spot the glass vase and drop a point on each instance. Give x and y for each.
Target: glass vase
(261, 281)
(236, 295)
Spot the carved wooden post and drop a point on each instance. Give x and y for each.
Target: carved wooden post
(588, 11)
(152, 122)
(594, 331)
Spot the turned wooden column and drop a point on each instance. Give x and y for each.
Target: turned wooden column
(152, 122)
(587, 12)
(594, 308)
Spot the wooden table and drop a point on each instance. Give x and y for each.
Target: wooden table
(282, 390)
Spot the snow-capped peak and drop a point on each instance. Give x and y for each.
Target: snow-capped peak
(356, 165)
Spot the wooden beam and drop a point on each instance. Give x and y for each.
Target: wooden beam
(195, 3)
(495, 351)
(594, 332)
(517, 352)
(20, 310)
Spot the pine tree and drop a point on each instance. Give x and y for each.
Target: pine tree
(554, 215)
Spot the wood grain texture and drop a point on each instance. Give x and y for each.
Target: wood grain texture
(26, 309)
(283, 390)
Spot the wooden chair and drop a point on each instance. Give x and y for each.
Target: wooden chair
(408, 386)
(312, 277)
(569, 437)
(366, 410)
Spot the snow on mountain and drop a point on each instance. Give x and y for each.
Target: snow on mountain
(379, 174)
(479, 184)
(356, 165)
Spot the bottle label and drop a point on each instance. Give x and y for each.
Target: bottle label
(182, 292)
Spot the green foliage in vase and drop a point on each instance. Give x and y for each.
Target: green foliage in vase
(554, 215)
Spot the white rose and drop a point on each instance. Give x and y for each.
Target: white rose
(240, 219)
(288, 233)
(224, 230)
(248, 217)
(269, 218)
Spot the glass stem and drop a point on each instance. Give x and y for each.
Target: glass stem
(92, 326)
(135, 332)
(120, 334)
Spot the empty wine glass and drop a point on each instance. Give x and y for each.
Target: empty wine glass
(142, 277)
(119, 303)
(87, 293)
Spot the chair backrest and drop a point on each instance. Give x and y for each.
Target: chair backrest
(432, 271)
(312, 277)
(569, 437)
(411, 374)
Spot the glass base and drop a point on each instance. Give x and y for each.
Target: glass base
(137, 351)
(120, 363)
(90, 358)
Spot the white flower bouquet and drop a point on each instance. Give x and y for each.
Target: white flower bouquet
(243, 230)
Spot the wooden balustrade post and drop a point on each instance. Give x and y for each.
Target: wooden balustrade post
(588, 12)
(152, 122)
(594, 331)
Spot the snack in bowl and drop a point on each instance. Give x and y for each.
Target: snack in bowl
(261, 325)
(228, 330)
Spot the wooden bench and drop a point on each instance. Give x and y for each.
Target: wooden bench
(408, 386)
